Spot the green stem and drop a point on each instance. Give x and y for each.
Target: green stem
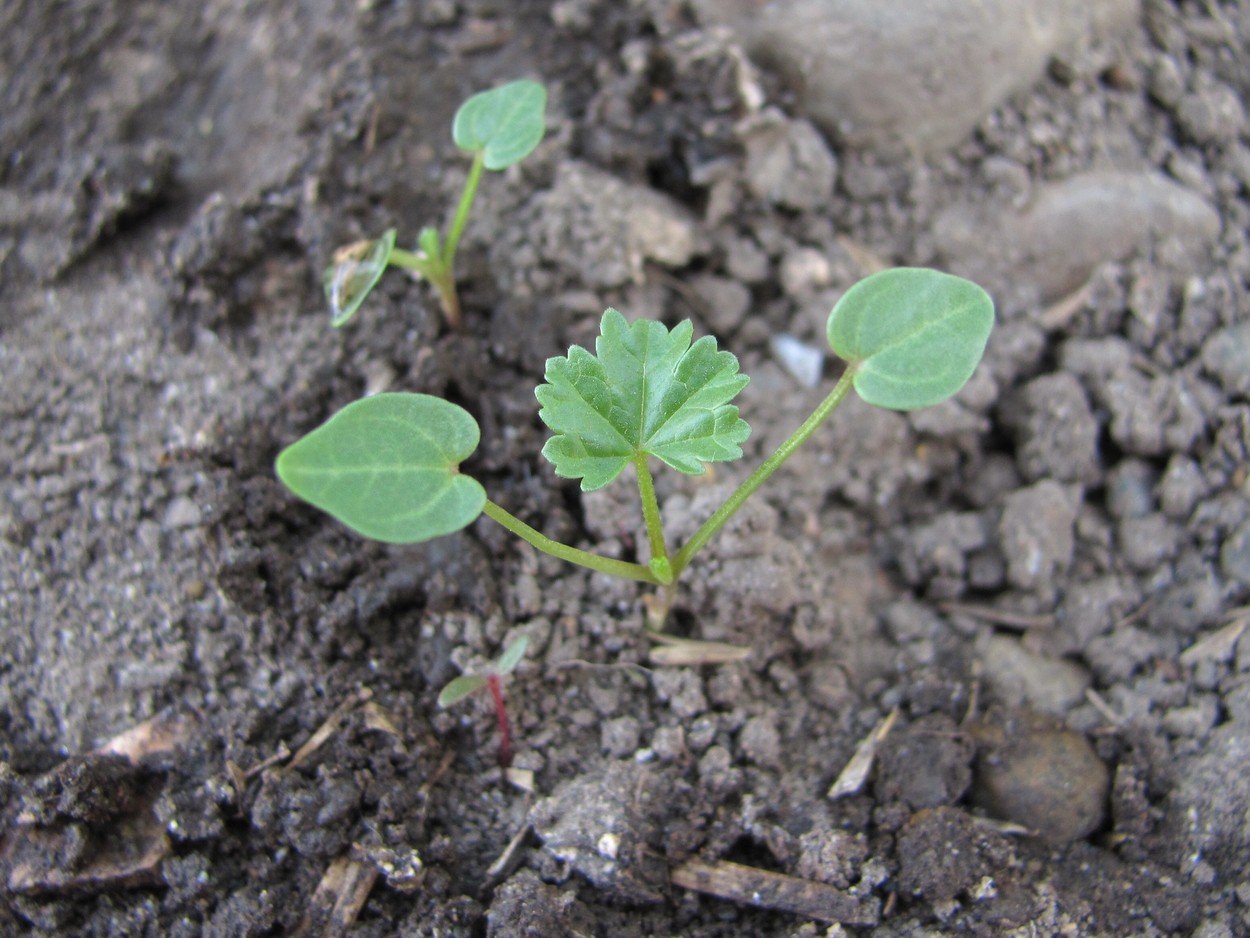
(660, 564)
(760, 475)
(409, 261)
(433, 269)
(617, 568)
(462, 211)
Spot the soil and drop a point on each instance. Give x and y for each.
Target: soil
(1034, 596)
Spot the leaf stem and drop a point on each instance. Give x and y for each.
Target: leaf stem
(409, 261)
(434, 269)
(462, 210)
(501, 717)
(660, 564)
(766, 469)
(617, 568)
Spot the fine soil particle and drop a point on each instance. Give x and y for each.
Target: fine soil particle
(217, 712)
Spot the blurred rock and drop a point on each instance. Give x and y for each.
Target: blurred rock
(905, 76)
(1056, 433)
(925, 765)
(606, 230)
(1053, 245)
(944, 852)
(1038, 773)
(1209, 807)
(1227, 356)
(788, 162)
(525, 906)
(1211, 114)
(1019, 677)
(600, 823)
(1036, 534)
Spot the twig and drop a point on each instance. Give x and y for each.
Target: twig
(326, 730)
(852, 777)
(761, 889)
(338, 898)
(1003, 617)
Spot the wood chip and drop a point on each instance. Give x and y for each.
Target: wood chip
(338, 898)
(761, 889)
(326, 730)
(1219, 646)
(1059, 313)
(508, 861)
(1003, 617)
(381, 719)
(689, 652)
(852, 778)
(127, 852)
(520, 779)
(163, 733)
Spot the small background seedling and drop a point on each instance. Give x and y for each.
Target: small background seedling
(389, 466)
(499, 127)
(490, 677)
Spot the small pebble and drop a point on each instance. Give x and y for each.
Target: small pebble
(761, 742)
(803, 362)
(182, 513)
(1040, 774)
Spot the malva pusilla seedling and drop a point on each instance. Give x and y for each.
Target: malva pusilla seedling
(388, 466)
(499, 127)
(490, 677)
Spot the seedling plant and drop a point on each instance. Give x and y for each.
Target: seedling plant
(490, 677)
(388, 466)
(499, 127)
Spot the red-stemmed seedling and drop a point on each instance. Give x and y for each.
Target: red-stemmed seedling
(490, 677)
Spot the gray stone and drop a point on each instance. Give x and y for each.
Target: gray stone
(605, 230)
(1020, 677)
(1147, 541)
(1040, 774)
(1166, 83)
(1235, 555)
(727, 301)
(1226, 355)
(182, 513)
(760, 742)
(788, 162)
(1130, 487)
(1210, 804)
(803, 271)
(620, 737)
(905, 76)
(1052, 246)
(600, 823)
(1211, 114)
(1181, 487)
(1056, 432)
(1036, 534)
(681, 689)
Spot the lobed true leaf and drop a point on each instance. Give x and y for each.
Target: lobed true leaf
(648, 391)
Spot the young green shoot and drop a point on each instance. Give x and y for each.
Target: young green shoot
(490, 677)
(388, 466)
(499, 127)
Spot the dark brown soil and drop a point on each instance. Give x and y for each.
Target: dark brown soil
(1045, 582)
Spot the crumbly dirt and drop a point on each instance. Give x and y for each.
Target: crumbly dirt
(1044, 581)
